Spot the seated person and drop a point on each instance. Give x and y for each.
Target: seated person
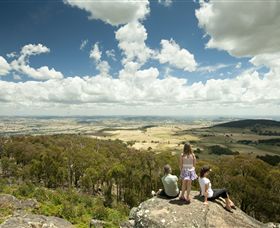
(170, 186)
(212, 194)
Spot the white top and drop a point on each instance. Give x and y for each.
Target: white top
(188, 162)
(170, 184)
(202, 182)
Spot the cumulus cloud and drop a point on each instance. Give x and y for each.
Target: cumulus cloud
(270, 60)
(4, 67)
(247, 28)
(131, 38)
(21, 65)
(174, 55)
(102, 66)
(113, 13)
(249, 89)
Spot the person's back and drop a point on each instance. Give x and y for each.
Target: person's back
(170, 184)
(188, 162)
(203, 181)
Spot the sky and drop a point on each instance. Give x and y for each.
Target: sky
(128, 57)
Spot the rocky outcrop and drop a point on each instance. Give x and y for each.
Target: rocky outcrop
(21, 218)
(160, 213)
(10, 201)
(35, 221)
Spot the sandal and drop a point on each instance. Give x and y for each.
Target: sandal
(233, 207)
(229, 210)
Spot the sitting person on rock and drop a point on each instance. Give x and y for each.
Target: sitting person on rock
(170, 184)
(212, 194)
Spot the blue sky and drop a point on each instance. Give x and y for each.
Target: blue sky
(186, 27)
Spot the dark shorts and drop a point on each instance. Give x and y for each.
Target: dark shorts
(164, 195)
(219, 193)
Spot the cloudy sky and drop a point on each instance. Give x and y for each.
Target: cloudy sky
(159, 57)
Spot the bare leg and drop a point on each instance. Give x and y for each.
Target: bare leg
(228, 204)
(159, 191)
(189, 186)
(184, 186)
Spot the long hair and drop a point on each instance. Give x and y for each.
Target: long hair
(187, 149)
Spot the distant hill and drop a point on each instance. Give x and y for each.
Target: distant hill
(250, 123)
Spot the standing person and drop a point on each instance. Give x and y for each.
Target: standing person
(170, 186)
(187, 167)
(212, 194)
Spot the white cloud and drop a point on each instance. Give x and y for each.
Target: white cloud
(32, 49)
(21, 64)
(111, 12)
(131, 38)
(174, 55)
(213, 68)
(247, 28)
(83, 44)
(269, 60)
(111, 54)
(95, 53)
(16, 77)
(12, 55)
(238, 65)
(165, 2)
(4, 67)
(102, 66)
(147, 90)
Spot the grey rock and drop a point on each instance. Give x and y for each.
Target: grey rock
(11, 201)
(162, 213)
(271, 225)
(128, 224)
(132, 212)
(35, 221)
(95, 223)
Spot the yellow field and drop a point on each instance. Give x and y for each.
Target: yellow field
(155, 138)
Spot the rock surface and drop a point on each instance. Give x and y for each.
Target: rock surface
(21, 218)
(35, 221)
(159, 213)
(11, 201)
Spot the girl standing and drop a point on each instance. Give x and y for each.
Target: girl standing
(187, 167)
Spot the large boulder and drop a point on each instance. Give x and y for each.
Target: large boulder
(160, 213)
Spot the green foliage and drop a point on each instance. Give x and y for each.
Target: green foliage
(219, 150)
(252, 184)
(270, 159)
(79, 178)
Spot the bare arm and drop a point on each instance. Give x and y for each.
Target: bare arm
(206, 194)
(194, 160)
(181, 162)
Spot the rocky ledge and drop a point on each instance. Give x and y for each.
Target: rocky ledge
(22, 218)
(159, 213)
